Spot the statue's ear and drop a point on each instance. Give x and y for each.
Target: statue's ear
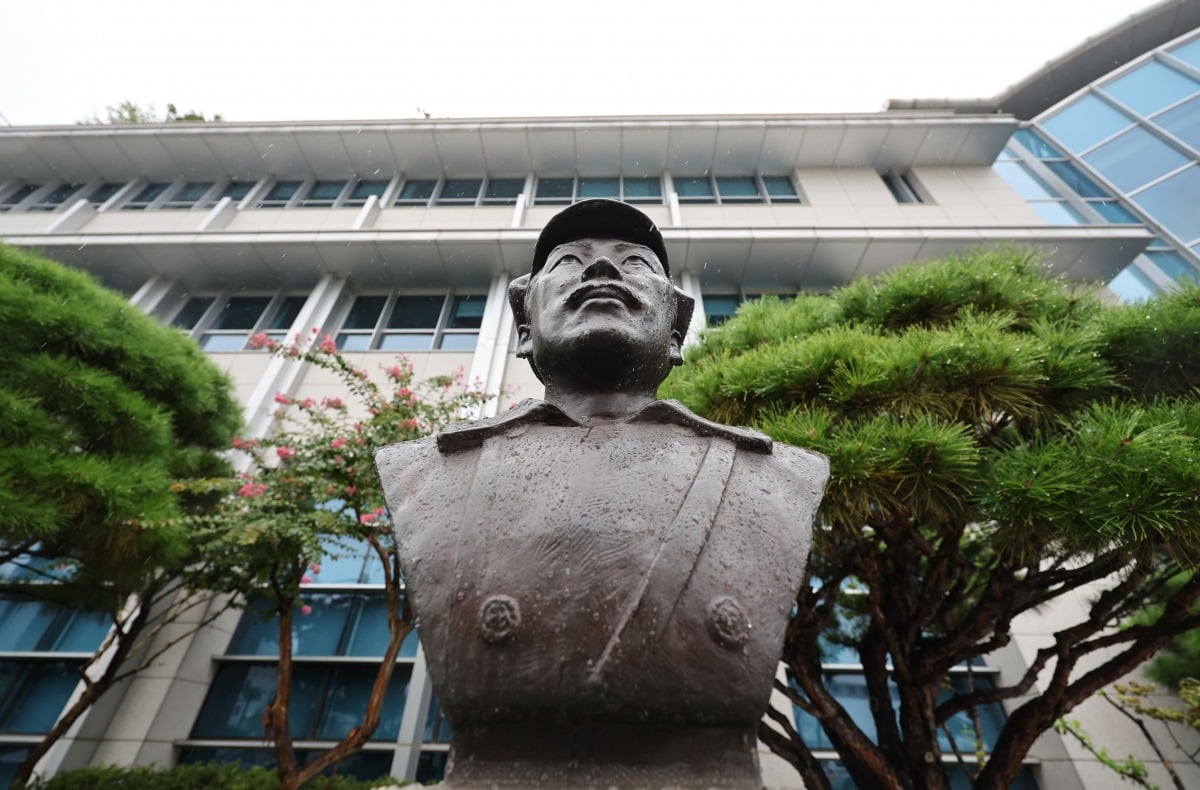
(684, 305)
(516, 300)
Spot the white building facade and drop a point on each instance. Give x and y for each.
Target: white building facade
(401, 237)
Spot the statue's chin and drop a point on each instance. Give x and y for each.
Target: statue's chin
(607, 359)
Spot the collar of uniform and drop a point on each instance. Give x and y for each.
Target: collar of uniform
(467, 435)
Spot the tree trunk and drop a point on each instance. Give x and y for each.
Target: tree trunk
(276, 720)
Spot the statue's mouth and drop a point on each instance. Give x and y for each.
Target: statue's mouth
(592, 291)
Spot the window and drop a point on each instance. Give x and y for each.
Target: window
(143, 199)
(1151, 87)
(1172, 203)
(1189, 52)
(416, 192)
(1183, 122)
(503, 191)
(1086, 122)
(735, 189)
(631, 189)
(720, 307)
(322, 194)
(280, 195)
(903, 187)
(1054, 186)
(234, 190)
(20, 193)
(188, 195)
(335, 696)
(56, 198)
(363, 190)
(459, 192)
(102, 193)
(226, 324)
(412, 322)
(1134, 158)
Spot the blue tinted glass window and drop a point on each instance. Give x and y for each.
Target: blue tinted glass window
(415, 312)
(223, 342)
(285, 316)
(1189, 52)
(33, 693)
(431, 767)
(365, 312)
(1173, 203)
(695, 190)
(554, 190)
(781, 189)
(599, 188)
(1114, 212)
(56, 198)
(460, 190)
(1024, 181)
(364, 189)
(467, 312)
(1132, 286)
(241, 312)
(1057, 213)
(282, 192)
(325, 191)
(738, 190)
(1151, 86)
(410, 341)
(11, 756)
(236, 702)
(342, 562)
(346, 699)
(103, 193)
(503, 191)
(191, 312)
(84, 633)
(1076, 180)
(1175, 266)
(41, 626)
(719, 308)
(1036, 144)
(191, 192)
(319, 633)
(22, 193)
(459, 341)
(417, 192)
(150, 192)
(1085, 123)
(1134, 158)
(643, 190)
(236, 190)
(1183, 122)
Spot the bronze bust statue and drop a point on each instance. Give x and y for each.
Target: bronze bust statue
(601, 580)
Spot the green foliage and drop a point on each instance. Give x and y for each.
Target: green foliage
(997, 437)
(128, 112)
(188, 777)
(1129, 769)
(101, 410)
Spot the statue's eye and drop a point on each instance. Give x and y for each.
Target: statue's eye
(569, 260)
(636, 260)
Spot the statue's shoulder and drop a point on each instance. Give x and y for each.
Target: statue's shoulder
(404, 457)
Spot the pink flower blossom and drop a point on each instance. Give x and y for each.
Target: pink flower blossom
(338, 443)
(306, 610)
(306, 579)
(366, 518)
(282, 398)
(316, 329)
(238, 443)
(327, 345)
(409, 424)
(252, 490)
(285, 452)
(307, 403)
(404, 392)
(395, 372)
(351, 490)
(333, 403)
(315, 568)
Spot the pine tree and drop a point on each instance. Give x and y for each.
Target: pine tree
(102, 414)
(999, 440)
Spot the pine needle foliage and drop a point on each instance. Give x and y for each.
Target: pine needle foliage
(101, 410)
(998, 438)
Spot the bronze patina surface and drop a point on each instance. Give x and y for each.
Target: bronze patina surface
(601, 579)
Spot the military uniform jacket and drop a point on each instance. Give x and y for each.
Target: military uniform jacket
(641, 570)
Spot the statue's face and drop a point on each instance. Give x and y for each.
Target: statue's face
(600, 301)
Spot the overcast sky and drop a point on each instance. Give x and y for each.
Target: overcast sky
(65, 60)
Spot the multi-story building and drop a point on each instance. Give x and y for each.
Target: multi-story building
(402, 237)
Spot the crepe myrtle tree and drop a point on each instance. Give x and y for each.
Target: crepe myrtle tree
(999, 440)
(103, 413)
(313, 483)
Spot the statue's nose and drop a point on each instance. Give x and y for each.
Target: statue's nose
(601, 266)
